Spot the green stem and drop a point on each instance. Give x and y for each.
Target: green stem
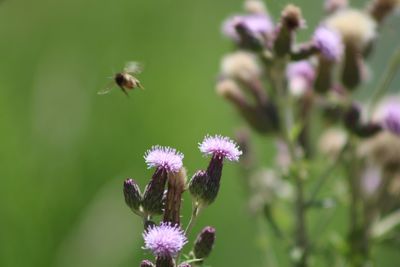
(323, 178)
(387, 78)
(195, 212)
(286, 125)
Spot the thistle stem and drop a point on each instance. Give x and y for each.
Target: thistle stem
(387, 78)
(195, 212)
(286, 125)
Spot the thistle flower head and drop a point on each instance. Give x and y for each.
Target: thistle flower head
(255, 7)
(165, 240)
(164, 157)
(388, 114)
(257, 24)
(328, 42)
(301, 68)
(301, 76)
(220, 146)
(240, 65)
(357, 28)
(292, 18)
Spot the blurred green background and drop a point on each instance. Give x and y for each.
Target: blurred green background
(65, 150)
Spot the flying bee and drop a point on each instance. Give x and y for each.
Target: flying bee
(126, 79)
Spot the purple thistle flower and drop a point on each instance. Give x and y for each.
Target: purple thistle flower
(164, 157)
(257, 24)
(220, 146)
(165, 240)
(391, 120)
(329, 43)
(387, 114)
(301, 68)
(301, 76)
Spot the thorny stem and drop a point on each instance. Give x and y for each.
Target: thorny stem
(387, 78)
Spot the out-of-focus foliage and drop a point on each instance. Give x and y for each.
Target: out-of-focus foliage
(65, 150)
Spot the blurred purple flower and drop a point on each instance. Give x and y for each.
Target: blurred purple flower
(328, 42)
(301, 76)
(257, 24)
(164, 157)
(165, 240)
(388, 114)
(220, 146)
(391, 120)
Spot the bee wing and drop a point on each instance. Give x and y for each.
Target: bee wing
(133, 67)
(107, 88)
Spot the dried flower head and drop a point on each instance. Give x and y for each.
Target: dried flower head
(240, 65)
(332, 142)
(165, 240)
(382, 149)
(357, 28)
(379, 9)
(255, 7)
(164, 157)
(328, 42)
(220, 146)
(292, 18)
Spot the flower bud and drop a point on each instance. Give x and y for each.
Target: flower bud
(379, 9)
(176, 186)
(185, 265)
(146, 263)
(201, 189)
(154, 192)
(204, 243)
(332, 6)
(132, 194)
(291, 20)
(357, 35)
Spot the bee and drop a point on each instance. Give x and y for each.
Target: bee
(126, 79)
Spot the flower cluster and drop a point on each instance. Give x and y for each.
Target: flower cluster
(163, 196)
(301, 95)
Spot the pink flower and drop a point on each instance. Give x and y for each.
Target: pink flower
(165, 240)
(257, 24)
(164, 157)
(220, 146)
(301, 76)
(329, 43)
